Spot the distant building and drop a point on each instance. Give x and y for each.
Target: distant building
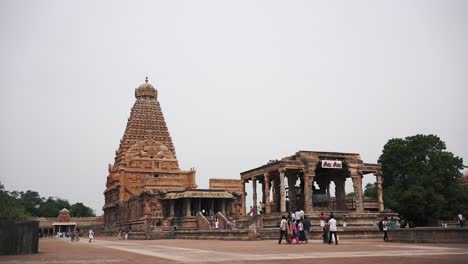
(64, 223)
(464, 179)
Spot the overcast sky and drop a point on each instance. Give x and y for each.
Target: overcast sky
(239, 82)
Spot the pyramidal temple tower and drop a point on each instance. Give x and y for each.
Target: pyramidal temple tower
(145, 166)
(146, 125)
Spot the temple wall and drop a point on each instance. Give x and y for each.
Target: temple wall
(19, 237)
(429, 235)
(230, 185)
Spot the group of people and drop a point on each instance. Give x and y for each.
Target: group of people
(254, 210)
(294, 227)
(122, 234)
(75, 235)
(216, 224)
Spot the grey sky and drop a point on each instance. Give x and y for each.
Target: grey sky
(239, 82)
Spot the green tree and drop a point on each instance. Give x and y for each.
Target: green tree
(371, 190)
(421, 180)
(10, 207)
(31, 202)
(81, 210)
(52, 206)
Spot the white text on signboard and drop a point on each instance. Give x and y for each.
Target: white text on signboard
(332, 164)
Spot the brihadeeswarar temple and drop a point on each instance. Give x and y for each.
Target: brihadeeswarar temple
(146, 189)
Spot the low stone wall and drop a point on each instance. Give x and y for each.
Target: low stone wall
(361, 233)
(240, 234)
(413, 235)
(429, 235)
(19, 237)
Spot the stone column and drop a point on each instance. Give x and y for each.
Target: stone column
(282, 172)
(356, 176)
(243, 197)
(340, 192)
(309, 174)
(267, 193)
(223, 207)
(380, 202)
(292, 178)
(171, 207)
(212, 209)
(188, 209)
(254, 187)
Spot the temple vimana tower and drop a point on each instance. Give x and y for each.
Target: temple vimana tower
(146, 188)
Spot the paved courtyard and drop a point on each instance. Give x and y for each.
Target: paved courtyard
(111, 250)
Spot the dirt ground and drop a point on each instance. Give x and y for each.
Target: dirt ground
(111, 250)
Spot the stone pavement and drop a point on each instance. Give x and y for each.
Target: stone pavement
(110, 250)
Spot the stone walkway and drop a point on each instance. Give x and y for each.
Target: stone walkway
(110, 251)
(190, 255)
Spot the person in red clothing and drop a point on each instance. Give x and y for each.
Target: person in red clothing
(322, 220)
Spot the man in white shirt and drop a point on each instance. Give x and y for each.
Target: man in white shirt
(91, 235)
(385, 228)
(283, 229)
(333, 229)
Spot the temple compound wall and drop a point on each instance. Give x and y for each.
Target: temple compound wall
(308, 175)
(145, 188)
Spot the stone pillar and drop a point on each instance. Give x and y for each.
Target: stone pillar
(267, 193)
(292, 178)
(357, 184)
(212, 209)
(309, 174)
(380, 202)
(254, 194)
(223, 207)
(171, 207)
(282, 172)
(188, 209)
(243, 197)
(340, 192)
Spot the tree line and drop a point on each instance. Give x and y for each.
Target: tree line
(16, 205)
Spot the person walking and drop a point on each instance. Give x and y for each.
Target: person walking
(300, 228)
(307, 226)
(283, 229)
(322, 220)
(91, 235)
(393, 224)
(385, 229)
(332, 230)
(295, 232)
(289, 231)
(461, 220)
